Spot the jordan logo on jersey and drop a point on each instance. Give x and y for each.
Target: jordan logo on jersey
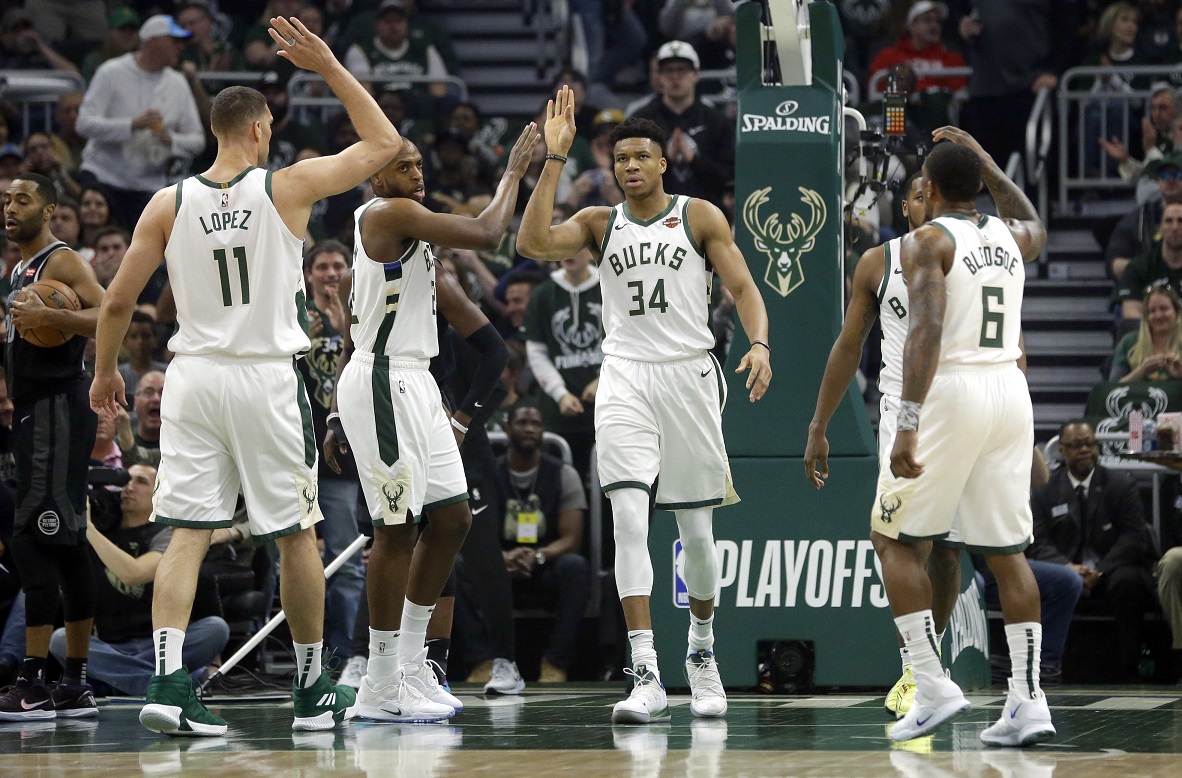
(784, 244)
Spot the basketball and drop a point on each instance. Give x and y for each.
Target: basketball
(54, 294)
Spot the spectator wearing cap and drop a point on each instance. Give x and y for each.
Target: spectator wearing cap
(206, 50)
(1160, 132)
(1138, 230)
(1160, 262)
(394, 54)
(922, 48)
(598, 186)
(21, 48)
(701, 146)
(288, 136)
(122, 36)
(73, 21)
(137, 114)
(40, 157)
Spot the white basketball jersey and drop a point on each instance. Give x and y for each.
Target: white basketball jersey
(236, 271)
(982, 322)
(656, 286)
(393, 302)
(892, 319)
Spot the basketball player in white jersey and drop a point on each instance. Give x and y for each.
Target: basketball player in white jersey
(965, 431)
(880, 293)
(658, 410)
(388, 405)
(236, 413)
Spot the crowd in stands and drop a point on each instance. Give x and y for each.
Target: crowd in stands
(142, 122)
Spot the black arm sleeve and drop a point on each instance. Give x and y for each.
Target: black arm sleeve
(493, 356)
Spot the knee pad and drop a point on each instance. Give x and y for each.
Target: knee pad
(697, 543)
(77, 576)
(634, 569)
(38, 574)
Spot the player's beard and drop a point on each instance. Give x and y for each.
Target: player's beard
(26, 231)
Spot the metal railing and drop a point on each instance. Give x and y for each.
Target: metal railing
(853, 90)
(37, 92)
(1112, 114)
(309, 94)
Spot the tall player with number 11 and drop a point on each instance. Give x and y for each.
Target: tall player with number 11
(659, 406)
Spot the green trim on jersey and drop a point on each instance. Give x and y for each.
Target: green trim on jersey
(305, 417)
(179, 187)
(226, 185)
(609, 488)
(611, 220)
(387, 325)
(947, 232)
(905, 538)
(258, 540)
(267, 186)
(886, 272)
(685, 506)
(718, 380)
(690, 233)
(980, 222)
(628, 215)
(383, 415)
(301, 302)
(188, 524)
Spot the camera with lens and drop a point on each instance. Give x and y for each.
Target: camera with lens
(104, 491)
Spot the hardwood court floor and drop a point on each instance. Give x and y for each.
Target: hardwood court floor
(566, 731)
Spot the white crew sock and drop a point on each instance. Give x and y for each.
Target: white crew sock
(904, 658)
(414, 631)
(169, 644)
(643, 651)
(1025, 641)
(383, 656)
(307, 663)
(917, 632)
(701, 634)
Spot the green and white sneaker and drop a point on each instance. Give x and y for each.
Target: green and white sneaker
(647, 702)
(322, 705)
(173, 708)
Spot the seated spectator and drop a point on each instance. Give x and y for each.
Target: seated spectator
(258, 49)
(923, 50)
(66, 226)
(1159, 139)
(122, 37)
(146, 405)
(12, 161)
(456, 183)
(21, 48)
(122, 654)
(542, 502)
(206, 50)
(288, 136)
(94, 212)
(1090, 519)
(1161, 261)
(109, 248)
(1138, 230)
(401, 107)
(111, 438)
(517, 286)
(393, 54)
(139, 344)
(1154, 352)
(66, 141)
(1169, 592)
(12, 600)
(1116, 34)
(563, 333)
(40, 157)
(597, 185)
(483, 139)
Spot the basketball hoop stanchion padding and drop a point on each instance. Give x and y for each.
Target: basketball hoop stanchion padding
(795, 563)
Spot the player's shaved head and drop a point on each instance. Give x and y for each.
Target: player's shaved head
(954, 170)
(235, 109)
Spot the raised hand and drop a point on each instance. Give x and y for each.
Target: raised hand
(560, 122)
(522, 151)
(300, 46)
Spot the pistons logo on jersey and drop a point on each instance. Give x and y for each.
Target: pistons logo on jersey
(225, 200)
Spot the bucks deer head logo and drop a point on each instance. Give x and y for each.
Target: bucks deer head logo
(309, 495)
(393, 498)
(784, 244)
(888, 509)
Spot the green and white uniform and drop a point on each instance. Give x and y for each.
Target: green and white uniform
(658, 409)
(976, 427)
(235, 414)
(389, 403)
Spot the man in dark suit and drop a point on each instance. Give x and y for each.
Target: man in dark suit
(1090, 519)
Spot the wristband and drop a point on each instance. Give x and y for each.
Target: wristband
(761, 343)
(455, 423)
(331, 416)
(908, 416)
(558, 157)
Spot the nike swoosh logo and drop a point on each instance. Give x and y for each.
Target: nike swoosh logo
(481, 509)
(34, 706)
(620, 226)
(1017, 708)
(898, 271)
(26, 418)
(479, 405)
(921, 722)
(707, 372)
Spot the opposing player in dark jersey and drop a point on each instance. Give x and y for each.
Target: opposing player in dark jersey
(52, 434)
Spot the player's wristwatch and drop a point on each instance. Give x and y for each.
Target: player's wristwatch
(540, 557)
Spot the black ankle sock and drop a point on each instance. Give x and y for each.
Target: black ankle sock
(33, 669)
(437, 651)
(74, 673)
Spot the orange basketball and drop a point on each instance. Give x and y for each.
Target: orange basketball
(54, 294)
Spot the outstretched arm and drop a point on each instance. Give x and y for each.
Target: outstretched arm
(714, 236)
(924, 253)
(843, 361)
(1013, 205)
